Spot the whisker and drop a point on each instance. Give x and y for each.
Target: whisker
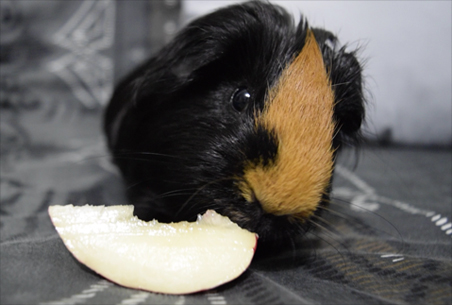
(172, 195)
(337, 213)
(130, 186)
(145, 153)
(293, 246)
(176, 191)
(141, 159)
(323, 238)
(197, 192)
(125, 158)
(325, 229)
(127, 154)
(338, 202)
(327, 223)
(340, 84)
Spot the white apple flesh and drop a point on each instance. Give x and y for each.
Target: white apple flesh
(175, 258)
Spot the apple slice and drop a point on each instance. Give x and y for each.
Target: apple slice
(175, 258)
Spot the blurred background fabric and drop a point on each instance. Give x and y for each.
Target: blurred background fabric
(59, 61)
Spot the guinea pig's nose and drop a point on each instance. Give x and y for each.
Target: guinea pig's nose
(299, 113)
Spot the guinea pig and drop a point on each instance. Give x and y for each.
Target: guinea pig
(242, 112)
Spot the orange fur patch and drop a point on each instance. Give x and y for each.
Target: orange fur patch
(300, 113)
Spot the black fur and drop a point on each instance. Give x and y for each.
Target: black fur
(180, 144)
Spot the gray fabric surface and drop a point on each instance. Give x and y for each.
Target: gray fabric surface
(386, 243)
(387, 238)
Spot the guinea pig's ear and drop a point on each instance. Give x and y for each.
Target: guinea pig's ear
(344, 71)
(162, 77)
(175, 66)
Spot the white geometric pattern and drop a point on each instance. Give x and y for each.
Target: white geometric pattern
(87, 71)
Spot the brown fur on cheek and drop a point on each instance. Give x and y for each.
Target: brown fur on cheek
(299, 113)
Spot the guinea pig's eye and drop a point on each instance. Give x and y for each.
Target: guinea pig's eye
(240, 99)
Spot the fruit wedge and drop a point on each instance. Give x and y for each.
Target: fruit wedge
(175, 258)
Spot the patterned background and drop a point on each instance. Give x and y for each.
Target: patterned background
(387, 238)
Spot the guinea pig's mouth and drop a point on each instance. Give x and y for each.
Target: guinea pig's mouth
(273, 230)
(278, 232)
